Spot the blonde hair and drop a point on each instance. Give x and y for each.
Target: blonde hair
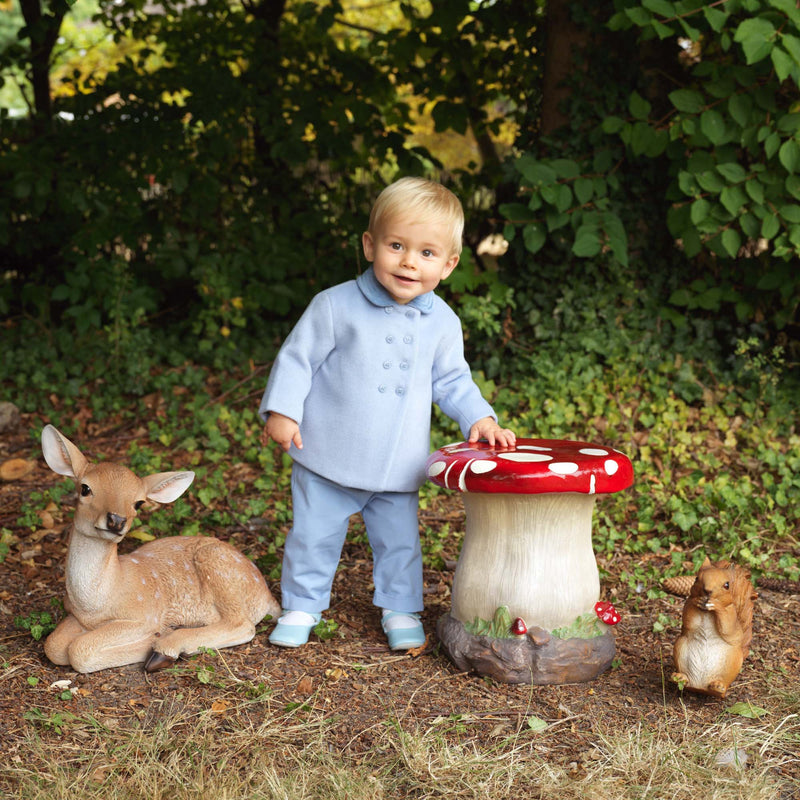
(419, 200)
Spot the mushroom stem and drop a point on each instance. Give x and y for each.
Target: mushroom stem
(532, 553)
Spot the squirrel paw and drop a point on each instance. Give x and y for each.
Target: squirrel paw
(680, 679)
(717, 689)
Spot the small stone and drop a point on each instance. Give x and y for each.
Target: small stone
(9, 417)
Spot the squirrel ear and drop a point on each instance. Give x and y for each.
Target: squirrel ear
(706, 563)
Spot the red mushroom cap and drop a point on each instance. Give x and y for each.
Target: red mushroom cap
(533, 466)
(518, 627)
(606, 612)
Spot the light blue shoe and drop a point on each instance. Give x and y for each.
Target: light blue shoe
(293, 628)
(403, 629)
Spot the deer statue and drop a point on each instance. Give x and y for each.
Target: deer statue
(170, 597)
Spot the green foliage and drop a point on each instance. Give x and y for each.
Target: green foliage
(499, 627)
(587, 626)
(722, 146)
(38, 623)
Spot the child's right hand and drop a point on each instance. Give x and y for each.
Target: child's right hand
(282, 430)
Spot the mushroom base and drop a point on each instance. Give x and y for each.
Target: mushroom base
(536, 658)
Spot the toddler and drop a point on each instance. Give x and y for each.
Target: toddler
(349, 397)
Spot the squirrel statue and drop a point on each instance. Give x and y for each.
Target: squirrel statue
(717, 629)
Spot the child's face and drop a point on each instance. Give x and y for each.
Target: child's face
(410, 258)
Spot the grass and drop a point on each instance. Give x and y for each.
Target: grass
(175, 755)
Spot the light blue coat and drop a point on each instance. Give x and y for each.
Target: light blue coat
(359, 373)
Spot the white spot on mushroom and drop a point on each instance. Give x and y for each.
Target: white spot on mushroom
(525, 457)
(463, 476)
(134, 560)
(593, 451)
(592, 484)
(611, 467)
(479, 467)
(436, 468)
(563, 468)
(535, 447)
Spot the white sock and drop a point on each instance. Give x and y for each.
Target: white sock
(399, 622)
(298, 618)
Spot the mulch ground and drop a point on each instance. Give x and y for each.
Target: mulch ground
(352, 678)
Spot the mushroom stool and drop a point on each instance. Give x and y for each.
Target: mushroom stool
(526, 582)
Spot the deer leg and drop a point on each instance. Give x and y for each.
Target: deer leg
(114, 644)
(225, 633)
(56, 646)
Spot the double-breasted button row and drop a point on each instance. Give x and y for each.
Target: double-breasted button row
(407, 339)
(399, 390)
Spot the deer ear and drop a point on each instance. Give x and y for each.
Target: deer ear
(61, 455)
(164, 487)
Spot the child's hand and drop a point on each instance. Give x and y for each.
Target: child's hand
(282, 430)
(488, 429)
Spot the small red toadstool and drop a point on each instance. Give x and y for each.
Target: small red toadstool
(607, 613)
(528, 540)
(518, 627)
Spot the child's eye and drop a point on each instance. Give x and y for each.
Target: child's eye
(396, 246)
(427, 253)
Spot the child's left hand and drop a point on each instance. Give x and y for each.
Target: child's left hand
(488, 429)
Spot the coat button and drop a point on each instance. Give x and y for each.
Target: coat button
(381, 388)
(404, 365)
(410, 314)
(400, 390)
(387, 364)
(387, 310)
(408, 339)
(390, 339)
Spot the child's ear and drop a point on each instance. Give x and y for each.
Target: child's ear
(369, 246)
(450, 266)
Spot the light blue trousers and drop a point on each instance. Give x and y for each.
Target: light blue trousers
(322, 510)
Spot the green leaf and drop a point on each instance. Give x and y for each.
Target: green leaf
(793, 186)
(663, 7)
(755, 35)
(715, 18)
(771, 144)
(587, 241)
(733, 198)
(515, 212)
(770, 227)
(792, 45)
(747, 710)
(566, 168)
(789, 155)
(700, 210)
(783, 63)
(731, 241)
(534, 235)
(688, 101)
(536, 724)
(790, 212)
(638, 106)
(710, 182)
(536, 172)
(739, 107)
(756, 191)
(584, 189)
(712, 124)
(638, 15)
(732, 172)
(613, 125)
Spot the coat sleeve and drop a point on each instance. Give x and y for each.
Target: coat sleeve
(454, 390)
(307, 346)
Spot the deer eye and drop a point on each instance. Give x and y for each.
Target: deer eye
(85, 490)
(138, 504)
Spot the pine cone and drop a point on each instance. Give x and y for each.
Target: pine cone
(777, 585)
(680, 585)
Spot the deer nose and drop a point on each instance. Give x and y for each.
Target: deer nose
(115, 523)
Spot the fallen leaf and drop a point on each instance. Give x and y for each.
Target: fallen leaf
(15, 469)
(417, 651)
(306, 686)
(219, 706)
(747, 710)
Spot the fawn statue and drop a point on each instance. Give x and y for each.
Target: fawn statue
(168, 598)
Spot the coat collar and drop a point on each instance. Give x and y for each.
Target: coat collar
(378, 296)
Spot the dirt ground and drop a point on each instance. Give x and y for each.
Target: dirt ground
(353, 678)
